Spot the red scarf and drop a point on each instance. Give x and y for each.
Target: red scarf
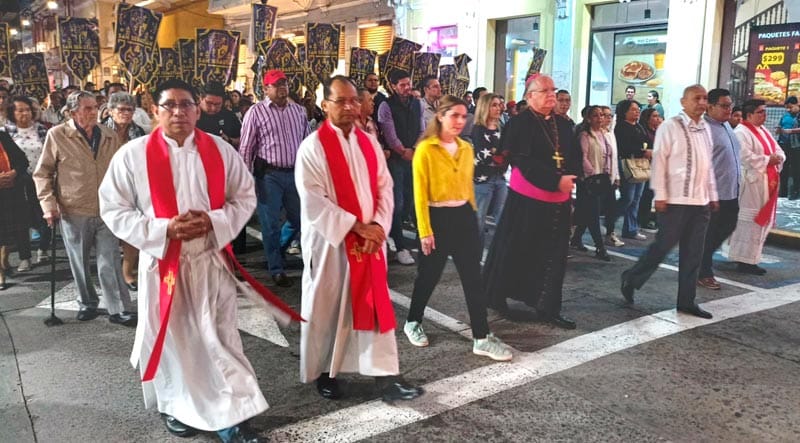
(165, 205)
(767, 211)
(369, 292)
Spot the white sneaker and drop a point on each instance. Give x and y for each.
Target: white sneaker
(415, 334)
(492, 347)
(42, 256)
(640, 236)
(404, 257)
(390, 244)
(612, 240)
(24, 266)
(294, 248)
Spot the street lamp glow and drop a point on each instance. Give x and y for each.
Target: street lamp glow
(25, 22)
(13, 31)
(52, 4)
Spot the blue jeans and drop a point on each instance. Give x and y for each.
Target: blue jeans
(403, 199)
(276, 190)
(490, 197)
(627, 208)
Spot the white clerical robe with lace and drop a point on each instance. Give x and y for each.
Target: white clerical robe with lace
(204, 379)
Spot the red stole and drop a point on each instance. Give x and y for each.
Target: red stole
(165, 205)
(369, 292)
(767, 211)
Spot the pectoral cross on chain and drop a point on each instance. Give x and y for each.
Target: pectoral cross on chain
(169, 280)
(558, 158)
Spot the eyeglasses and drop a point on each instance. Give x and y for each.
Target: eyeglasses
(123, 109)
(346, 101)
(183, 106)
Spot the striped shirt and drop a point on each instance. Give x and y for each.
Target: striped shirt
(273, 133)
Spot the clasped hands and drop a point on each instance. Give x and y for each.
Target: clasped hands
(372, 236)
(189, 226)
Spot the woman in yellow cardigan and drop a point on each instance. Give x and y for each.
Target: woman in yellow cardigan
(444, 200)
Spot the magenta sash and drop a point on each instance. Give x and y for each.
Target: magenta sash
(520, 185)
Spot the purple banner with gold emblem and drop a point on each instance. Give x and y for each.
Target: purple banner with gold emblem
(362, 63)
(136, 43)
(215, 54)
(426, 64)
(322, 48)
(80, 44)
(185, 48)
(170, 65)
(447, 80)
(30, 75)
(280, 54)
(401, 58)
(263, 24)
(5, 51)
(462, 74)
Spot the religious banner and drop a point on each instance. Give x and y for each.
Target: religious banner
(258, 83)
(262, 25)
(382, 70)
(185, 48)
(30, 75)
(322, 48)
(301, 54)
(462, 74)
(280, 54)
(215, 53)
(80, 44)
(148, 75)
(5, 51)
(401, 58)
(136, 42)
(426, 64)
(170, 65)
(362, 63)
(447, 80)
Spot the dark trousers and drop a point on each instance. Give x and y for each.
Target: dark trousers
(646, 206)
(587, 214)
(403, 199)
(456, 234)
(681, 225)
(721, 226)
(791, 170)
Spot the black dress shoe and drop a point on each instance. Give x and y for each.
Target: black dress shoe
(400, 391)
(602, 254)
(124, 319)
(562, 322)
(519, 315)
(328, 387)
(747, 268)
(695, 310)
(177, 428)
(282, 280)
(132, 286)
(579, 246)
(242, 433)
(86, 314)
(626, 288)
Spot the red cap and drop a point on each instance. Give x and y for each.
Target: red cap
(511, 104)
(272, 76)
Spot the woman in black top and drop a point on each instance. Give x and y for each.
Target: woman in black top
(632, 142)
(13, 216)
(650, 121)
(491, 189)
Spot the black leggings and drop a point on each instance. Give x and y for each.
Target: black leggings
(455, 234)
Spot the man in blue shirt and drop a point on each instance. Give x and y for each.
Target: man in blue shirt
(789, 139)
(725, 159)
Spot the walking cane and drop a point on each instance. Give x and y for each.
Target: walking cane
(53, 320)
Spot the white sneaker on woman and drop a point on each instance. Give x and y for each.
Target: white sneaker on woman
(404, 257)
(492, 347)
(612, 240)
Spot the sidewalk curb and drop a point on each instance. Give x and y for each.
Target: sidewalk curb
(780, 237)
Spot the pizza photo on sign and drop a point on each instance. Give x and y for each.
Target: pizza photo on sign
(636, 72)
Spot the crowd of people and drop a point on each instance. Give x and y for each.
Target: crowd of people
(168, 179)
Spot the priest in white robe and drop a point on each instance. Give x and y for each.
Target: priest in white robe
(333, 340)
(203, 380)
(761, 160)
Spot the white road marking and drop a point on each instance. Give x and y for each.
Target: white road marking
(375, 417)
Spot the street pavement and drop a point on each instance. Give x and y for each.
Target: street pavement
(637, 372)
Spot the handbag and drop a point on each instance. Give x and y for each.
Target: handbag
(636, 170)
(597, 185)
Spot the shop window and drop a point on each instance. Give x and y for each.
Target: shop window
(515, 40)
(628, 47)
(443, 40)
